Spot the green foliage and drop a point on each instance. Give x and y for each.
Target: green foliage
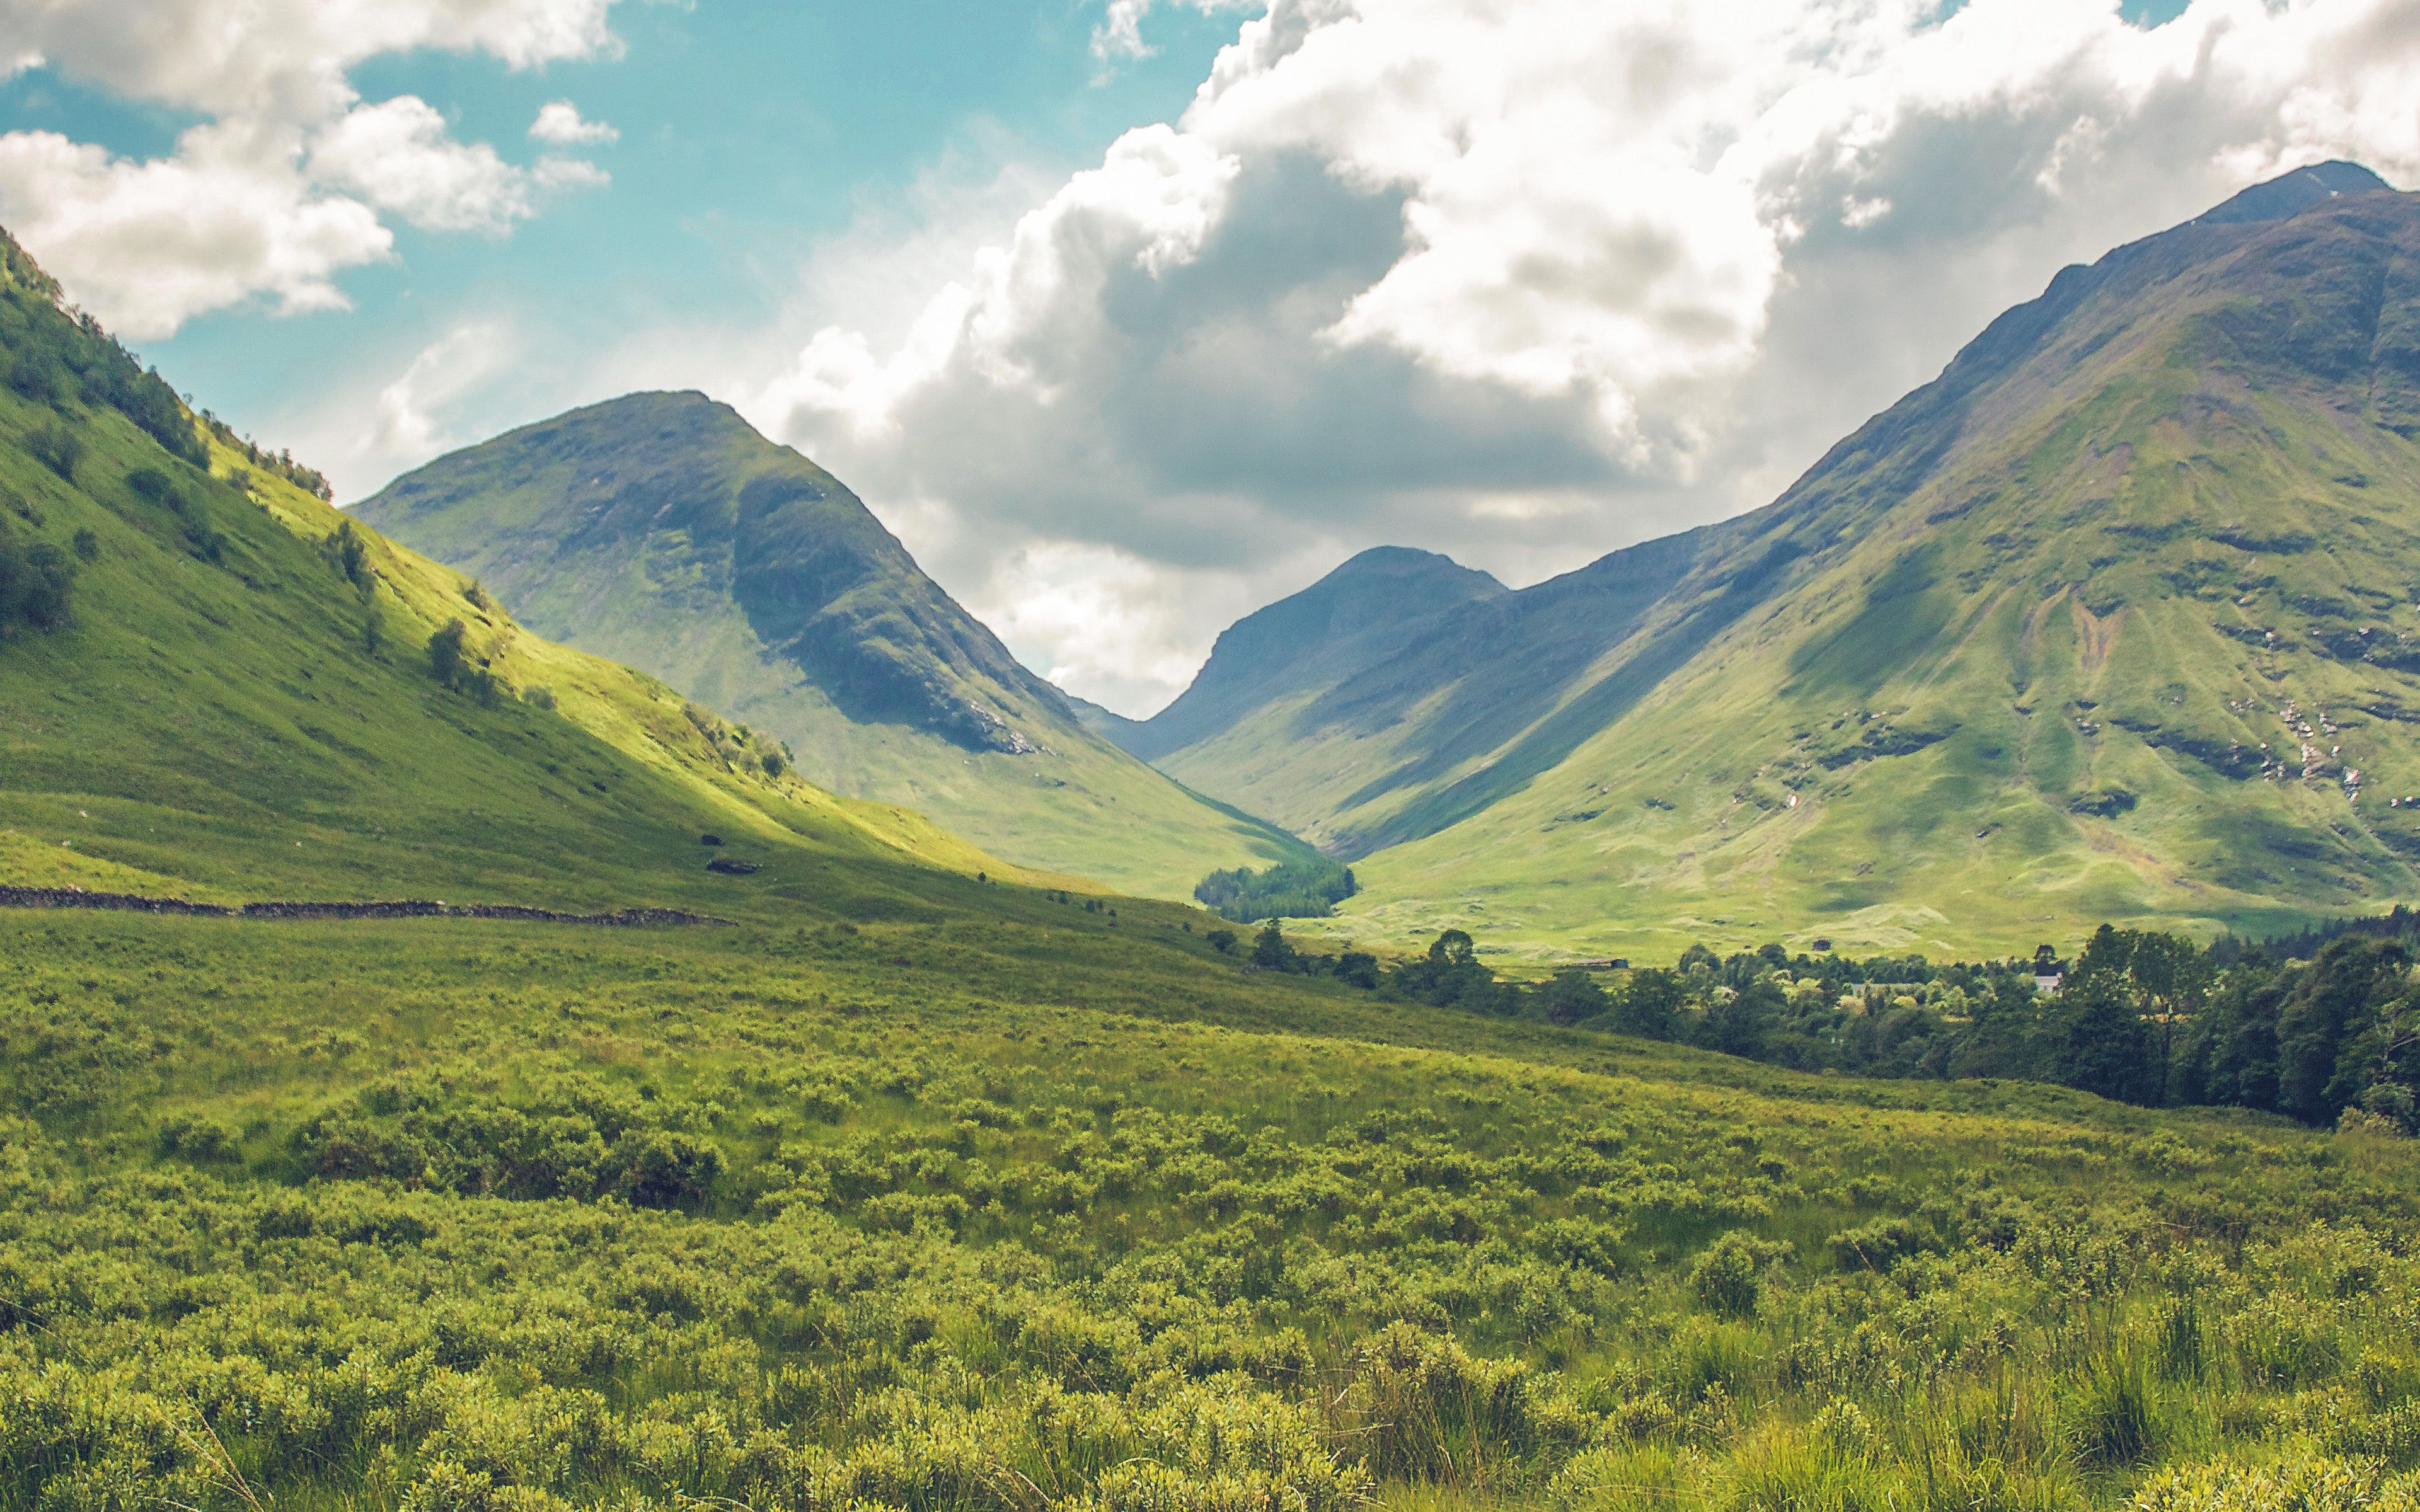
(447, 662)
(1729, 1277)
(443, 1213)
(37, 583)
(1307, 889)
(58, 448)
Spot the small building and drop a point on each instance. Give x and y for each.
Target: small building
(2048, 983)
(1603, 963)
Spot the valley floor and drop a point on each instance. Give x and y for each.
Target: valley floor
(1023, 1212)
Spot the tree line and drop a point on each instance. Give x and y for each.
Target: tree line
(1308, 888)
(2139, 1016)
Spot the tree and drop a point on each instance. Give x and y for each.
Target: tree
(1651, 1005)
(1357, 968)
(446, 660)
(1571, 997)
(86, 546)
(1737, 1025)
(1221, 940)
(57, 448)
(1270, 951)
(2320, 1067)
(2108, 1050)
(36, 582)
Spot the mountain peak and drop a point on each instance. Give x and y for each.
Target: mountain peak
(1365, 598)
(2289, 194)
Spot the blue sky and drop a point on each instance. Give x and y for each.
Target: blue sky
(747, 132)
(1120, 346)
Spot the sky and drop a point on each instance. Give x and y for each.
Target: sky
(1131, 315)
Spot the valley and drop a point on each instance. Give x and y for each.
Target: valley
(778, 1070)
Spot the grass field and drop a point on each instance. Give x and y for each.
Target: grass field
(982, 1211)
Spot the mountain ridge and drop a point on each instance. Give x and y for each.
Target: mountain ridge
(662, 531)
(2035, 459)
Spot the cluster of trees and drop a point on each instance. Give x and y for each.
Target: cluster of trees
(2141, 1016)
(348, 553)
(310, 480)
(56, 357)
(454, 668)
(37, 579)
(1272, 952)
(1290, 889)
(156, 488)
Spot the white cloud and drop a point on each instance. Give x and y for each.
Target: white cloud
(399, 156)
(407, 424)
(152, 244)
(1529, 279)
(558, 122)
(282, 188)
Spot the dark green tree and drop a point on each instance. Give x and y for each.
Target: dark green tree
(1652, 1002)
(446, 660)
(1738, 1025)
(2320, 1067)
(1270, 951)
(2108, 1050)
(1357, 968)
(1572, 997)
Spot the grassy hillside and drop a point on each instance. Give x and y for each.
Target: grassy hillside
(1030, 1213)
(660, 530)
(1339, 626)
(2112, 621)
(233, 709)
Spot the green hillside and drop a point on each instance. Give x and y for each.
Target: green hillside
(908, 1191)
(660, 530)
(2115, 620)
(238, 703)
(1338, 627)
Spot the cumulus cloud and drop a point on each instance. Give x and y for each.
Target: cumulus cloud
(399, 156)
(283, 186)
(1526, 280)
(559, 121)
(408, 424)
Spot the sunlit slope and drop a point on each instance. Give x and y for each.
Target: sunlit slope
(2116, 620)
(230, 713)
(662, 530)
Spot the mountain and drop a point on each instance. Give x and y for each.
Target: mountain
(662, 530)
(1341, 624)
(218, 686)
(2116, 618)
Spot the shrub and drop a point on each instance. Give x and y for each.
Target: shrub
(1729, 1277)
(37, 581)
(58, 448)
(86, 546)
(446, 660)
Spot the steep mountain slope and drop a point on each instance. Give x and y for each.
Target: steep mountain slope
(236, 699)
(662, 530)
(2116, 618)
(1330, 631)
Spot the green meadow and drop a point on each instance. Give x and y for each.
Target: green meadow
(1042, 1208)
